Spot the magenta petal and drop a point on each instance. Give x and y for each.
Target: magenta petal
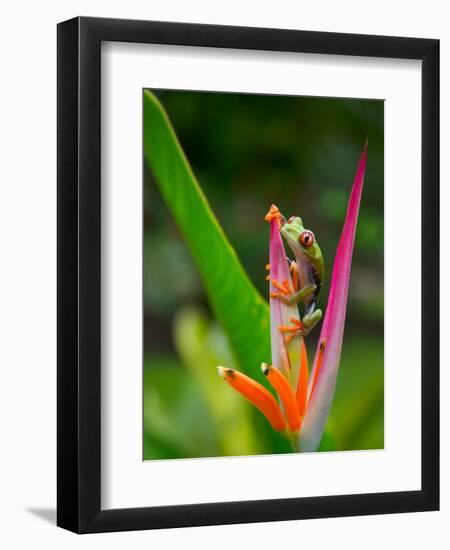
(284, 357)
(333, 324)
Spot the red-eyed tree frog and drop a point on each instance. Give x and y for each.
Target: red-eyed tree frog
(307, 270)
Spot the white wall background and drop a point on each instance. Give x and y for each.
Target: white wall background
(28, 270)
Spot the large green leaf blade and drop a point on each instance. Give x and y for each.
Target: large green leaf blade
(238, 306)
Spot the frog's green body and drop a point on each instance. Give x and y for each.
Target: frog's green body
(308, 268)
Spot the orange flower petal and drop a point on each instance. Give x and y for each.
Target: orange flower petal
(302, 386)
(284, 390)
(257, 394)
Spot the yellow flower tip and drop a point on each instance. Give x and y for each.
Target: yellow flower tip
(274, 214)
(223, 372)
(265, 368)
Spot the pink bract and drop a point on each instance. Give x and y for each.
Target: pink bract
(332, 331)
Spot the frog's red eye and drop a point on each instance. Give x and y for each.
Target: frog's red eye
(306, 238)
(291, 219)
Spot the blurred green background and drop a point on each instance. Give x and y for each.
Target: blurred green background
(249, 151)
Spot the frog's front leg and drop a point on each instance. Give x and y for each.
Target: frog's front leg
(286, 296)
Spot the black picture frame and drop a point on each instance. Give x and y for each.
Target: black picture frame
(79, 276)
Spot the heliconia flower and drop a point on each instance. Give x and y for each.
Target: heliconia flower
(304, 400)
(284, 318)
(326, 365)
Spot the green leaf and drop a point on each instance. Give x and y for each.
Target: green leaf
(357, 416)
(176, 417)
(327, 443)
(238, 306)
(201, 344)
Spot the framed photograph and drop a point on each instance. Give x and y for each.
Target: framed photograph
(248, 259)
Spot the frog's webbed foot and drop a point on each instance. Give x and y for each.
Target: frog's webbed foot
(282, 292)
(303, 327)
(295, 329)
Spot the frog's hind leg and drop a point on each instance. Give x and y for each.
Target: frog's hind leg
(283, 290)
(310, 320)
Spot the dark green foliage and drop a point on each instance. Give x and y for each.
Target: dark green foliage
(249, 151)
